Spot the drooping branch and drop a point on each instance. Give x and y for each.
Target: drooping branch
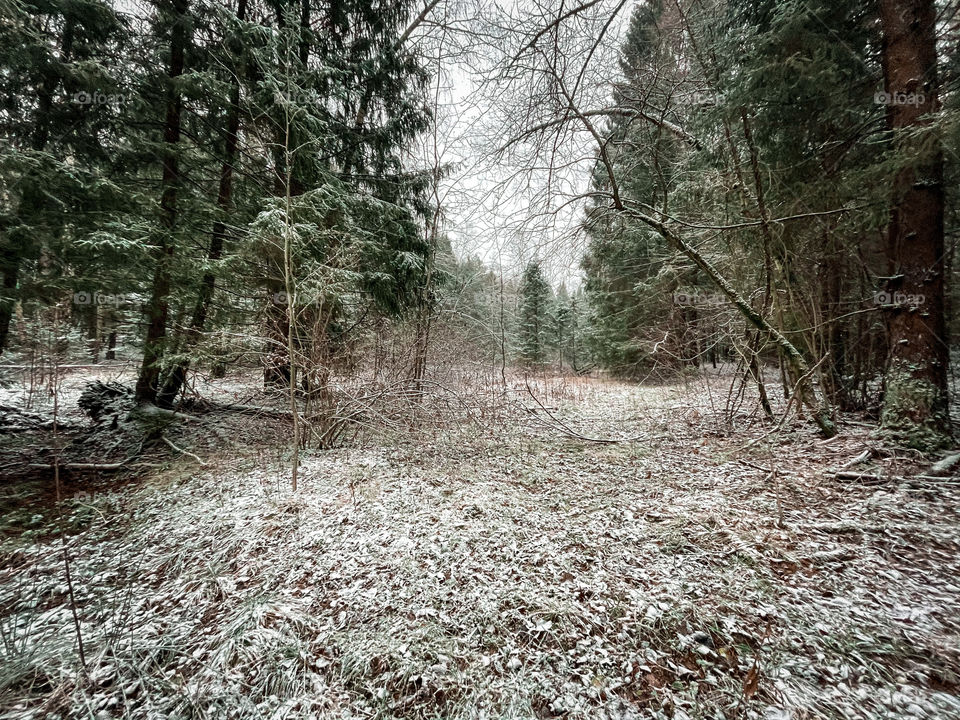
(807, 389)
(416, 22)
(364, 107)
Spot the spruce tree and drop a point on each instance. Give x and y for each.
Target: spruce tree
(339, 108)
(534, 315)
(60, 109)
(916, 402)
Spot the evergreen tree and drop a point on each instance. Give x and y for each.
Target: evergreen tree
(562, 325)
(233, 60)
(534, 315)
(341, 107)
(60, 108)
(631, 276)
(916, 404)
(176, 24)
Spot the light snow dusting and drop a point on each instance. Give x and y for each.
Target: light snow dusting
(498, 570)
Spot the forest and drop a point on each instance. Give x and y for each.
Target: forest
(467, 359)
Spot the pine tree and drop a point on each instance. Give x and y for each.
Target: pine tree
(562, 325)
(339, 108)
(631, 276)
(234, 60)
(177, 22)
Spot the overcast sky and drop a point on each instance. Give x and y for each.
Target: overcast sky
(497, 207)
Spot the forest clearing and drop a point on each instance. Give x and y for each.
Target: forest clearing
(485, 563)
(462, 359)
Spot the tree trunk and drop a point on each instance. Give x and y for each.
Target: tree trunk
(755, 371)
(32, 199)
(915, 410)
(10, 267)
(288, 181)
(832, 333)
(177, 375)
(158, 308)
(418, 369)
(95, 333)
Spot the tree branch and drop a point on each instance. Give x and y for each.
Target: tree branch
(607, 112)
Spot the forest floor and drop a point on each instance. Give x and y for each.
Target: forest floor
(490, 564)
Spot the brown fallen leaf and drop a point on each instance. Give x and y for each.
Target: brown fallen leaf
(751, 681)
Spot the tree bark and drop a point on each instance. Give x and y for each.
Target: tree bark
(915, 410)
(418, 369)
(10, 267)
(148, 381)
(178, 373)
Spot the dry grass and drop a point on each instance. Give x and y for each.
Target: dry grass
(494, 568)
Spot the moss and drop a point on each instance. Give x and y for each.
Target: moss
(828, 428)
(915, 411)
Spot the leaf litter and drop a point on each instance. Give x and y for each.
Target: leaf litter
(501, 570)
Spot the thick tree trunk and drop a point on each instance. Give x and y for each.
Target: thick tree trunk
(148, 382)
(178, 373)
(915, 409)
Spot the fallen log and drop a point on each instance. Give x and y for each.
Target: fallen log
(82, 466)
(861, 477)
(249, 410)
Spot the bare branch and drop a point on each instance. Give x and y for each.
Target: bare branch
(606, 112)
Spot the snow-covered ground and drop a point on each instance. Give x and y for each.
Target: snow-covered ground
(497, 567)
